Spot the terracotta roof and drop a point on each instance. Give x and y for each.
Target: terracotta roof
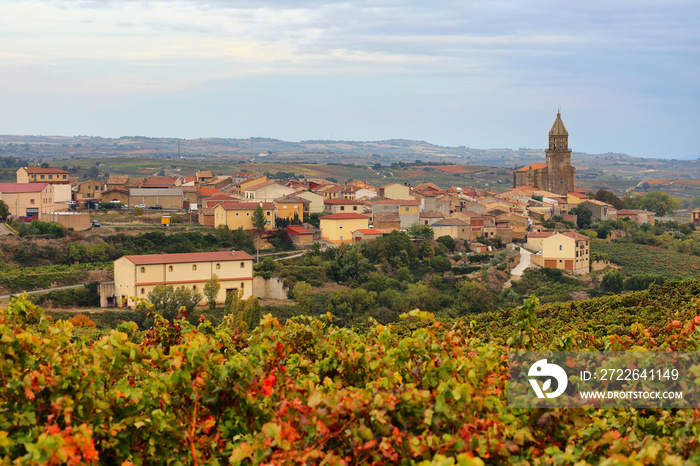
(532, 166)
(450, 222)
(189, 257)
(44, 171)
(263, 185)
(292, 198)
(22, 187)
(370, 231)
(579, 195)
(542, 234)
(117, 179)
(298, 230)
(431, 214)
(597, 202)
(343, 216)
(576, 236)
(338, 201)
(202, 191)
(204, 174)
(631, 212)
(236, 205)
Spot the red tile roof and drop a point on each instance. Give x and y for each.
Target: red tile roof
(189, 257)
(370, 231)
(22, 187)
(576, 236)
(343, 216)
(44, 171)
(202, 191)
(298, 230)
(533, 166)
(397, 202)
(158, 182)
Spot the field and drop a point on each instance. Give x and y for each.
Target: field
(639, 259)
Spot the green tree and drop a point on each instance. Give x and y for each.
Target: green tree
(211, 290)
(241, 314)
(418, 231)
(259, 223)
(659, 202)
(583, 216)
(4, 211)
(609, 197)
(448, 242)
(474, 297)
(169, 300)
(613, 282)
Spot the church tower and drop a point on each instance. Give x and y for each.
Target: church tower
(562, 177)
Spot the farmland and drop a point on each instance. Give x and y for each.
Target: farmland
(640, 259)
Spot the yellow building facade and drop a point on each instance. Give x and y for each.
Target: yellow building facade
(136, 276)
(28, 199)
(567, 251)
(338, 228)
(237, 215)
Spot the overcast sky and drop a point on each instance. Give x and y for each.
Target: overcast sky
(483, 74)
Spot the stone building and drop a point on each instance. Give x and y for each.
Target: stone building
(556, 175)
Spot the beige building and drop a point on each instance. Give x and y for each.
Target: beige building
(136, 276)
(315, 201)
(639, 216)
(42, 175)
(567, 251)
(168, 198)
(88, 190)
(338, 206)
(452, 227)
(395, 191)
(267, 191)
(241, 187)
(28, 199)
(237, 215)
(338, 228)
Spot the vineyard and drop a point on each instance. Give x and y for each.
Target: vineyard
(641, 259)
(307, 392)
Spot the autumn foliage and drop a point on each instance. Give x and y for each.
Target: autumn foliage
(307, 392)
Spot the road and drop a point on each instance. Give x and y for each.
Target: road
(43, 291)
(523, 264)
(4, 230)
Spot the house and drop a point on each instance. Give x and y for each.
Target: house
(475, 220)
(599, 209)
(136, 276)
(408, 210)
(639, 216)
(330, 191)
(236, 214)
(42, 175)
(243, 185)
(211, 201)
(338, 228)
(695, 216)
(160, 182)
(116, 195)
(205, 216)
(122, 181)
(428, 218)
(204, 176)
(168, 198)
(300, 235)
(28, 199)
(452, 227)
(290, 206)
(534, 240)
(568, 251)
(315, 201)
(575, 198)
(267, 191)
(336, 206)
(88, 190)
(367, 234)
(395, 191)
(388, 220)
(478, 248)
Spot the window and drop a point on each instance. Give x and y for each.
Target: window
(340, 226)
(64, 177)
(284, 206)
(354, 207)
(170, 268)
(143, 269)
(143, 290)
(560, 247)
(31, 201)
(247, 214)
(268, 213)
(218, 266)
(194, 287)
(342, 207)
(194, 267)
(236, 214)
(242, 286)
(242, 264)
(42, 177)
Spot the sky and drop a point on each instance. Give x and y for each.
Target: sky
(476, 73)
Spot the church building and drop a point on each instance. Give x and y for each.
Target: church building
(556, 175)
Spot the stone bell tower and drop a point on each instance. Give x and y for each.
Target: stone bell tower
(562, 177)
